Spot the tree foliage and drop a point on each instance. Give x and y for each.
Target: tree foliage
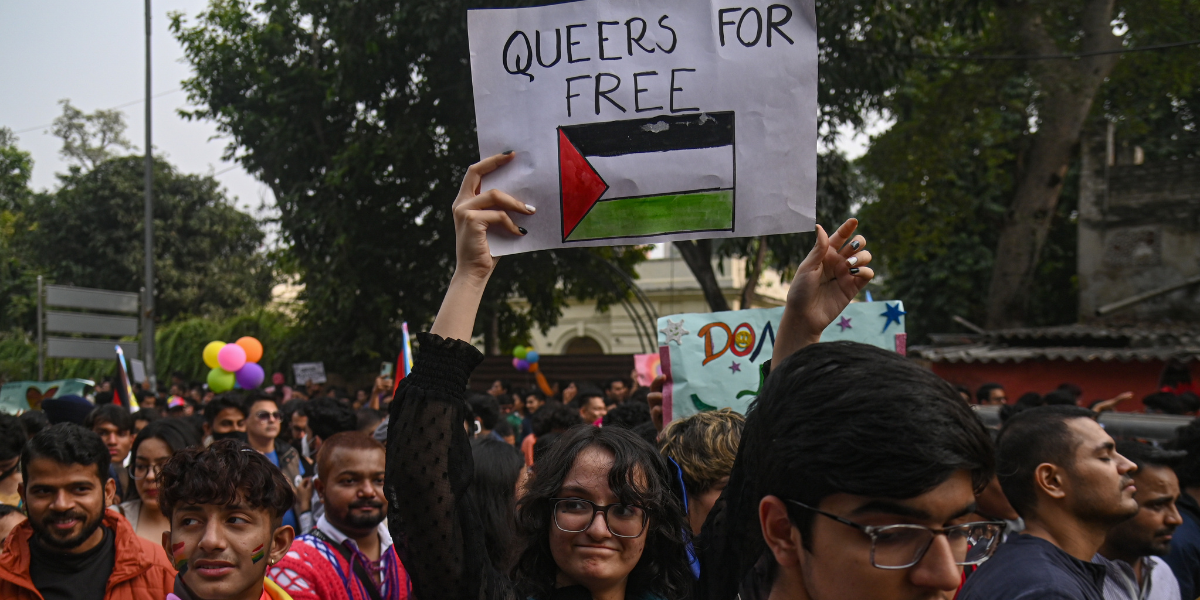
(360, 117)
(18, 282)
(207, 252)
(90, 138)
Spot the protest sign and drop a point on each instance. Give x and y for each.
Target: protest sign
(19, 396)
(713, 360)
(648, 122)
(648, 366)
(313, 372)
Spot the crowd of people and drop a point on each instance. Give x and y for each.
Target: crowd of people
(855, 474)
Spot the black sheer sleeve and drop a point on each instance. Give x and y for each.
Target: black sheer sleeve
(434, 523)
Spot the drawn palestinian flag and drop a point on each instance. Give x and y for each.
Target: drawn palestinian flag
(645, 177)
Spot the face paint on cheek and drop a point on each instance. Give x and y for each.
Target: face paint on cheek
(181, 562)
(259, 554)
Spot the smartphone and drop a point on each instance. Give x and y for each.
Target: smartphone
(385, 369)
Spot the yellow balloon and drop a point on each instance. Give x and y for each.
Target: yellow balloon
(210, 354)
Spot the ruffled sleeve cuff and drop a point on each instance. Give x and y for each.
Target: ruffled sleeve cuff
(443, 365)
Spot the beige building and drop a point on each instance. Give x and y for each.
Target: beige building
(668, 288)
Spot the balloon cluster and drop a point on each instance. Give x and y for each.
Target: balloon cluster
(235, 363)
(525, 359)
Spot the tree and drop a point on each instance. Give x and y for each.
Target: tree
(18, 281)
(90, 139)
(207, 253)
(360, 118)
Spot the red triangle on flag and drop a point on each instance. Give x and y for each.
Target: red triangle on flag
(579, 184)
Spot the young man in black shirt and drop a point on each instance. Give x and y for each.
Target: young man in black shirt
(70, 548)
(1063, 475)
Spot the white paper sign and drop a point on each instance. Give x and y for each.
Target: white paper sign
(313, 372)
(637, 122)
(139, 370)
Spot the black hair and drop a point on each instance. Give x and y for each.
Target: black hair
(585, 393)
(497, 469)
(149, 415)
(647, 432)
(327, 416)
(12, 437)
(175, 433)
(503, 428)
(8, 509)
(839, 417)
(222, 474)
(639, 476)
(627, 415)
(367, 417)
(222, 402)
(984, 393)
(103, 398)
(552, 416)
(1059, 398)
(1175, 372)
(505, 385)
(486, 409)
(608, 384)
(1165, 403)
(1072, 389)
(1143, 454)
(1030, 438)
(67, 444)
(34, 421)
(1187, 438)
(1027, 401)
(543, 444)
(252, 398)
(116, 415)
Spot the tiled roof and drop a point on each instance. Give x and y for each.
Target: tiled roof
(1067, 342)
(986, 353)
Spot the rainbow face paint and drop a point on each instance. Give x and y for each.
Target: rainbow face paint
(259, 554)
(181, 562)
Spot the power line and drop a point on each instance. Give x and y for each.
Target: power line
(131, 103)
(1052, 56)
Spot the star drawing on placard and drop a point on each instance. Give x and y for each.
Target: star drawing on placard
(844, 324)
(735, 367)
(674, 331)
(893, 314)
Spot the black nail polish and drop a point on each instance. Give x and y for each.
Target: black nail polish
(854, 270)
(506, 152)
(522, 230)
(855, 244)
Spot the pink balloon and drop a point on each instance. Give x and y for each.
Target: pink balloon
(250, 376)
(231, 357)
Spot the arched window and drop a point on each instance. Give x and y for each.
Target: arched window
(583, 345)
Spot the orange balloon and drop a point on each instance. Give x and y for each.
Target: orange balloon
(253, 348)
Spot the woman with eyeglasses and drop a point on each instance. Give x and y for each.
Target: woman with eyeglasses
(597, 521)
(154, 445)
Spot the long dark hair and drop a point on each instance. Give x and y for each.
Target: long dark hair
(175, 433)
(497, 469)
(639, 476)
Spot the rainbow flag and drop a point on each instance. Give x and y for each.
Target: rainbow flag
(404, 362)
(124, 391)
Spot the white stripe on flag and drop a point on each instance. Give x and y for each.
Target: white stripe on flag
(665, 172)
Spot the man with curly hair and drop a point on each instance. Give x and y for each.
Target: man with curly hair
(226, 505)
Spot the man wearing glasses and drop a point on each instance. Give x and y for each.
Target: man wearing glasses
(1063, 475)
(856, 479)
(263, 424)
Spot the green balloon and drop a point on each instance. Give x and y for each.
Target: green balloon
(220, 380)
(520, 352)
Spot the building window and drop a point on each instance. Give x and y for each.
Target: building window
(583, 345)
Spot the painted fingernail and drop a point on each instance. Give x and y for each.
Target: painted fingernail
(523, 232)
(854, 271)
(855, 244)
(853, 260)
(530, 208)
(506, 152)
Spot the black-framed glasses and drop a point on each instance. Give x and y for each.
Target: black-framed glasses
(902, 546)
(141, 470)
(574, 515)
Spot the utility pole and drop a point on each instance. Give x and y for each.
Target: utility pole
(148, 302)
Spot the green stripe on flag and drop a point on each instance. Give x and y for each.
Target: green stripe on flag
(652, 215)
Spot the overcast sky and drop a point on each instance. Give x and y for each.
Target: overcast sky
(92, 52)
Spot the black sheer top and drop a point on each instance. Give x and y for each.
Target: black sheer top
(434, 522)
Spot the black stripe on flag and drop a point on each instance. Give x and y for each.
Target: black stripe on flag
(655, 134)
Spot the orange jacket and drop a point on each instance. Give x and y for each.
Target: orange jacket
(140, 572)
